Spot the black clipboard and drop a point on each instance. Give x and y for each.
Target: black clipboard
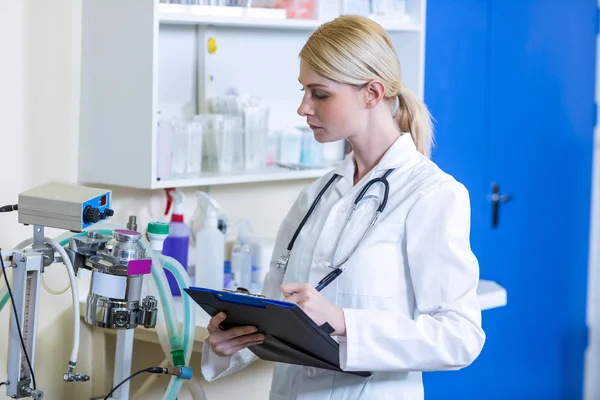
(291, 337)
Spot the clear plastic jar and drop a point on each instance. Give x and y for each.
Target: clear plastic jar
(187, 149)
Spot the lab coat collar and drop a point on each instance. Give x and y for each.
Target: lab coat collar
(402, 150)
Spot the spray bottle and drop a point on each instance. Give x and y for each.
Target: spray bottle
(241, 257)
(197, 222)
(177, 243)
(209, 244)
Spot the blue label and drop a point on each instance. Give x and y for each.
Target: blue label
(101, 202)
(227, 283)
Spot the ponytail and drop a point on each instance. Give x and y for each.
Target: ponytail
(413, 116)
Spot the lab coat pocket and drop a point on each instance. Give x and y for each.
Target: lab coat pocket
(376, 269)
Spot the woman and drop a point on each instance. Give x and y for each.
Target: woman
(406, 301)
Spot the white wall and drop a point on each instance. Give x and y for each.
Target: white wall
(39, 92)
(36, 127)
(12, 132)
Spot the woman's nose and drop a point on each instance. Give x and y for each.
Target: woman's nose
(304, 108)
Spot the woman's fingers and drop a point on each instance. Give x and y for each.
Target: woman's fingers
(214, 328)
(238, 331)
(215, 322)
(226, 342)
(231, 346)
(242, 347)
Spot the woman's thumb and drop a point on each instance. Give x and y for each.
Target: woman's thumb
(289, 288)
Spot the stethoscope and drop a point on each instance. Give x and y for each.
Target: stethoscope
(282, 261)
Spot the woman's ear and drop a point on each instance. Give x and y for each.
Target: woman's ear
(374, 91)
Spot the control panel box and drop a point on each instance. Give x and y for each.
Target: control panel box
(66, 206)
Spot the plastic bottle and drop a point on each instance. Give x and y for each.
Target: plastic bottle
(241, 257)
(210, 246)
(177, 243)
(261, 257)
(290, 146)
(157, 234)
(197, 222)
(262, 250)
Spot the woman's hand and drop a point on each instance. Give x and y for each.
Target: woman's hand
(228, 342)
(317, 307)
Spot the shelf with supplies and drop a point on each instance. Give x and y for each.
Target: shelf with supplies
(162, 61)
(266, 174)
(243, 17)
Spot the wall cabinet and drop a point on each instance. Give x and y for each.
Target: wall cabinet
(141, 57)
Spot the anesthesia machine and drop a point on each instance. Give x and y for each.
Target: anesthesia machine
(123, 265)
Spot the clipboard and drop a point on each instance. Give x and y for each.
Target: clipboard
(291, 337)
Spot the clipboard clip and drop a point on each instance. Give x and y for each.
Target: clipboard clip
(245, 292)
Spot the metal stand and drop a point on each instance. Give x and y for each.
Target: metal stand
(123, 356)
(126, 311)
(27, 267)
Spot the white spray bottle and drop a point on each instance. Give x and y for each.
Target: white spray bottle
(241, 257)
(210, 247)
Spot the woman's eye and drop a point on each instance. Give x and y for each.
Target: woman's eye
(317, 95)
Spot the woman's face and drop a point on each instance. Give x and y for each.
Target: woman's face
(333, 110)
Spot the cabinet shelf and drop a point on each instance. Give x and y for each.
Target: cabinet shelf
(238, 17)
(491, 294)
(267, 174)
(156, 60)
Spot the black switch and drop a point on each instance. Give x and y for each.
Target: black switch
(91, 215)
(107, 213)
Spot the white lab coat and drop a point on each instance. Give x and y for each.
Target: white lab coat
(408, 294)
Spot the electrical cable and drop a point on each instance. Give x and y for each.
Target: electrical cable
(152, 370)
(9, 208)
(149, 382)
(12, 300)
(125, 380)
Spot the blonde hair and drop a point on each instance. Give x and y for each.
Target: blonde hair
(354, 50)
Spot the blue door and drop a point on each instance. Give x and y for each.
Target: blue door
(511, 85)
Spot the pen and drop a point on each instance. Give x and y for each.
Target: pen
(330, 277)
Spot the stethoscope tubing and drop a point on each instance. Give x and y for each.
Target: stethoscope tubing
(284, 258)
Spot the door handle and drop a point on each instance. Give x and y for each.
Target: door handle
(497, 198)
